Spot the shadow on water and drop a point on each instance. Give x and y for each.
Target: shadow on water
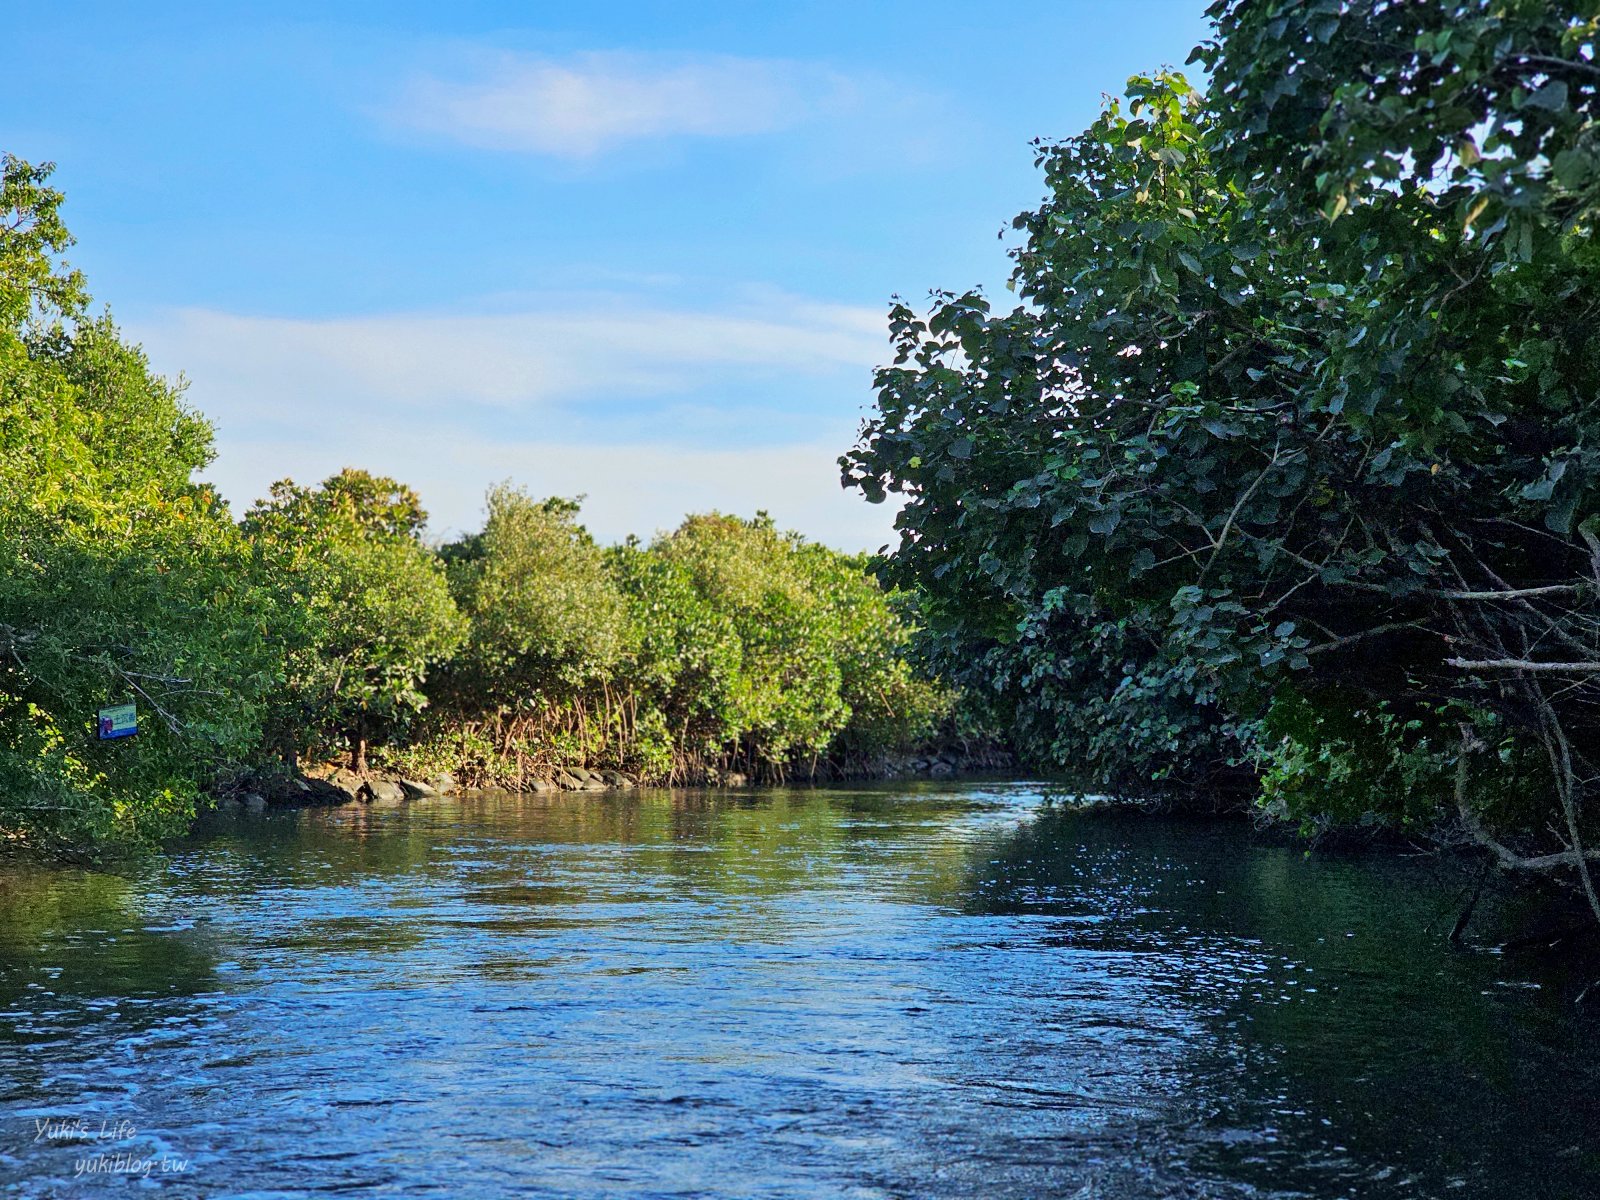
(1338, 1047)
(907, 990)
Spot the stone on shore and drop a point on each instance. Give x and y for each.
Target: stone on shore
(347, 782)
(383, 791)
(321, 791)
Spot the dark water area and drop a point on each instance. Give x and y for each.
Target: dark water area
(899, 991)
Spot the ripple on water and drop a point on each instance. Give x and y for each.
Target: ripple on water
(873, 992)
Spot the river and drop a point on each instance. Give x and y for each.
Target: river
(911, 990)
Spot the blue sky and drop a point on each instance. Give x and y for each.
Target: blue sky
(639, 251)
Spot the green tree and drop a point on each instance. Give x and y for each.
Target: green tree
(368, 609)
(1066, 481)
(893, 705)
(120, 579)
(766, 654)
(547, 623)
(1444, 161)
(1296, 417)
(684, 664)
(784, 699)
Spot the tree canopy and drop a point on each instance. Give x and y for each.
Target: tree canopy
(367, 609)
(1286, 454)
(120, 580)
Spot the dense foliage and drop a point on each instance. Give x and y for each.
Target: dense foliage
(764, 652)
(722, 649)
(547, 621)
(120, 580)
(1284, 469)
(322, 626)
(365, 606)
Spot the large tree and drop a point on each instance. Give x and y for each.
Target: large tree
(121, 580)
(547, 623)
(366, 610)
(1285, 461)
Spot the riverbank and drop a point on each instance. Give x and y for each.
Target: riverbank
(329, 784)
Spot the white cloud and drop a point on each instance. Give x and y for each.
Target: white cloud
(515, 360)
(591, 103)
(630, 488)
(651, 411)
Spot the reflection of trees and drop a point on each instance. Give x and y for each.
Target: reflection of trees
(530, 855)
(83, 934)
(75, 949)
(1319, 990)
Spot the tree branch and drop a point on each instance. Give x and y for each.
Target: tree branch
(1553, 589)
(1523, 664)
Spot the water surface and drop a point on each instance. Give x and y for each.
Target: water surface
(898, 991)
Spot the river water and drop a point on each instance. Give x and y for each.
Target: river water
(895, 991)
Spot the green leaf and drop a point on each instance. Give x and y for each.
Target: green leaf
(1552, 97)
(1572, 168)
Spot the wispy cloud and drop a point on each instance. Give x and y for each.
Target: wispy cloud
(638, 488)
(587, 104)
(524, 360)
(653, 411)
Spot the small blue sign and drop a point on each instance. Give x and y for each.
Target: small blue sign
(119, 722)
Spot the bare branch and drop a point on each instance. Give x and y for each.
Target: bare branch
(1242, 501)
(1523, 664)
(1560, 752)
(1554, 589)
(1375, 631)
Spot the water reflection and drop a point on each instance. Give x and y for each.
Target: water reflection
(907, 991)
